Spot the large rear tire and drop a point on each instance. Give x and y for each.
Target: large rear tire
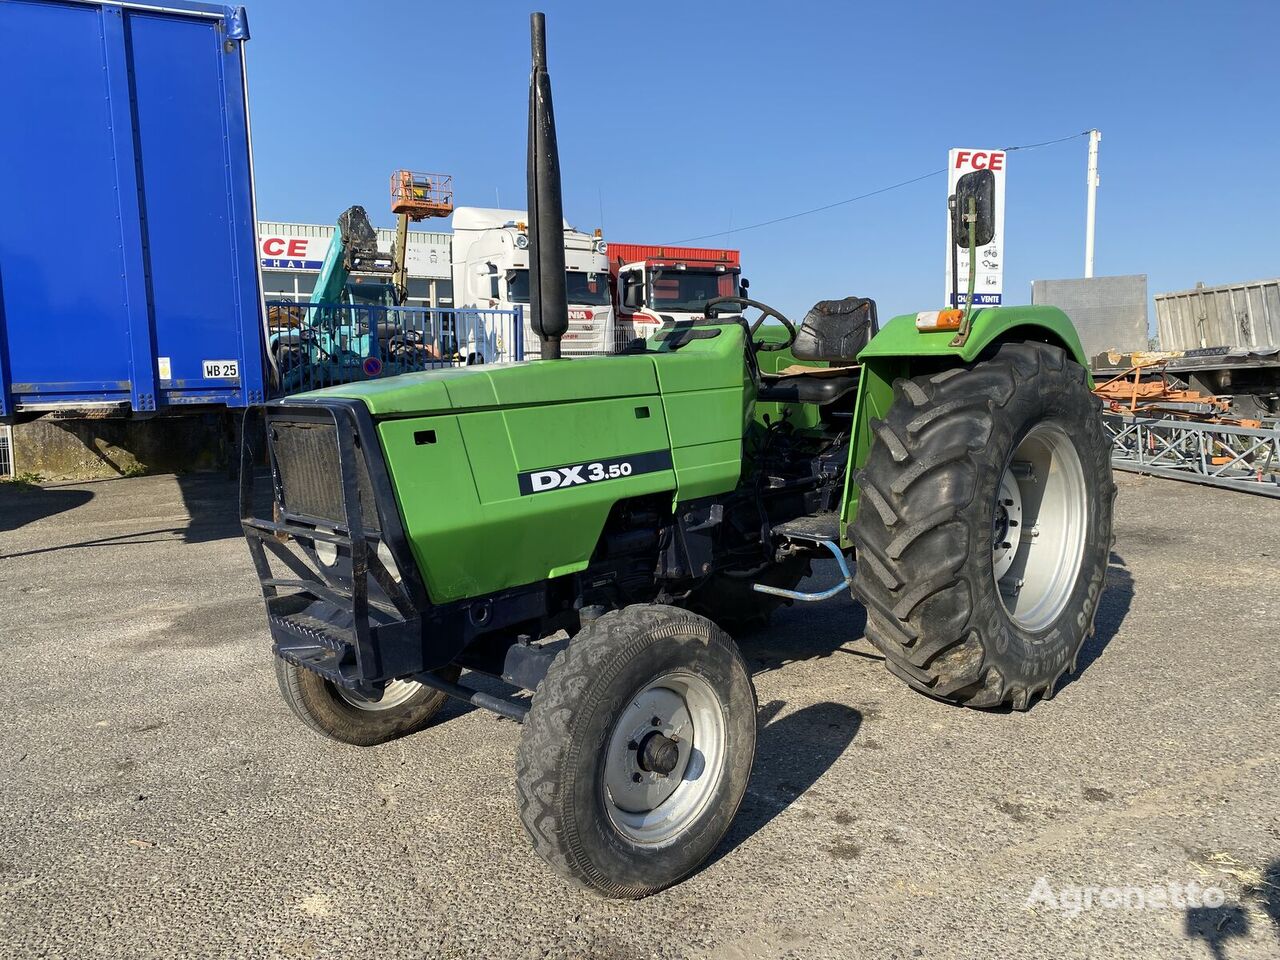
(983, 528)
(637, 750)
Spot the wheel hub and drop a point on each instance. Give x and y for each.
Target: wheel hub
(394, 694)
(664, 759)
(1006, 524)
(1038, 527)
(658, 754)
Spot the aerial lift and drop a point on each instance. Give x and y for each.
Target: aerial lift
(414, 197)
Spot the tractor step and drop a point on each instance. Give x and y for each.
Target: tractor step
(817, 530)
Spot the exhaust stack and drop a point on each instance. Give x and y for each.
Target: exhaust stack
(548, 305)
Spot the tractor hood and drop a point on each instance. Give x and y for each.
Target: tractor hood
(494, 386)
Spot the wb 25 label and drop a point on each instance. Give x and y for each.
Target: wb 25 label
(593, 471)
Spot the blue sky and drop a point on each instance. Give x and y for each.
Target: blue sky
(681, 119)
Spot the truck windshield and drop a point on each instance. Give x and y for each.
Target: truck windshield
(689, 290)
(581, 287)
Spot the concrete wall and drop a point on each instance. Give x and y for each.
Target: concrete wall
(94, 449)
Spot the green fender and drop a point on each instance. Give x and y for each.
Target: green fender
(899, 349)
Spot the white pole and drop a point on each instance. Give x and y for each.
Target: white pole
(1094, 137)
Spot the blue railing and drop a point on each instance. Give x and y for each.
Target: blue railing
(314, 345)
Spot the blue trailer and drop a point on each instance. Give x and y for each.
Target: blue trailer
(129, 278)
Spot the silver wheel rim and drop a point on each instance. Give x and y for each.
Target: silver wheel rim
(648, 806)
(396, 694)
(1038, 527)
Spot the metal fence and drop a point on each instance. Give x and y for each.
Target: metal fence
(1220, 455)
(314, 345)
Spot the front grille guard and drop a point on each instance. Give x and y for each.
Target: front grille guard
(352, 621)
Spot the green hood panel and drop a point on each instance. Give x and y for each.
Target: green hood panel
(502, 385)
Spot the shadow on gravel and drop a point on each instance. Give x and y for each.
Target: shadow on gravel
(795, 635)
(791, 754)
(23, 503)
(211, 501)
(1267, 893)
(1117, 597)
(1217, 926)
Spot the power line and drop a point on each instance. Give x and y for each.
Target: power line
(873, 193)
(1048, 143)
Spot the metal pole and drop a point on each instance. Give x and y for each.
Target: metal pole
(1092, 180)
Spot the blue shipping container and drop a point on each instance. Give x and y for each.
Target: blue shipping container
(128, 261)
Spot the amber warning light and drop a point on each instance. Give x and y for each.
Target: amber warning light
(931, 320)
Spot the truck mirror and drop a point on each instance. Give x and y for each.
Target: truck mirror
(743, 286)
(631, 296)
(979, 187)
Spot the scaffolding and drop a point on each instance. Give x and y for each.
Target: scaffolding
(1217, 454)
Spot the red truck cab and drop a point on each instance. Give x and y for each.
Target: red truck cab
(654, 283)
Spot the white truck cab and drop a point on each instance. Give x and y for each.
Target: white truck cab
(491, 272)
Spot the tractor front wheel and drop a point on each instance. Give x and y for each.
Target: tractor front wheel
(405, 706)
(637, 750)
(983, 528)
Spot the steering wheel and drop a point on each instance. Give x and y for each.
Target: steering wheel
(710, 310)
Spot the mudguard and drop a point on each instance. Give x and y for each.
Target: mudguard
(900, 338)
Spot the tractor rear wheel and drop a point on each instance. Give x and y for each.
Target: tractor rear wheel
(637, 750)
(983, 528)
(406, 706)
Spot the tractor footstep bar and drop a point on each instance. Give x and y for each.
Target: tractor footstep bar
(817, 531)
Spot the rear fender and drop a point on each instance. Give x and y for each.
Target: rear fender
(899, 350)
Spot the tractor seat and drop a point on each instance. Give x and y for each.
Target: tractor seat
(834, 331)
(820, 387)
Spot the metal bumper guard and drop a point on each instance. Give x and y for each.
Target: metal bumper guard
(350, 618)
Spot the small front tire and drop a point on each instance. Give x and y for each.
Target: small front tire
(406, 707)
(637, 750)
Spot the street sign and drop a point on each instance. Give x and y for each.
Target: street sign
(988, 291)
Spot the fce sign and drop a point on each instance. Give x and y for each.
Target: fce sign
(988, 291)
(293, 253)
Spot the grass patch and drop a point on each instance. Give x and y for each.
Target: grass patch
(22, 481)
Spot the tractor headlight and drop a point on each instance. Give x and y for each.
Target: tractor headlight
(522, 241)
(602, 246)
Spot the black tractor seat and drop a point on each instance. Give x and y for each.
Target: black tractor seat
(834, 331)
(820, 387)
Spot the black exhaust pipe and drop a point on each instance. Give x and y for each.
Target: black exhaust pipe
(548, 301)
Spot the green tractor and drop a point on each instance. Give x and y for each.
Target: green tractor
(586, 531)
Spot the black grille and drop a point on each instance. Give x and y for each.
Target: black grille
(306, 456)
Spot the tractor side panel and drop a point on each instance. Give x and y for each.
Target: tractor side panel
(706, 440)
(705, 397)
(496, 499)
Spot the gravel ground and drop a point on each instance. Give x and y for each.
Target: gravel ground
(157, 799)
